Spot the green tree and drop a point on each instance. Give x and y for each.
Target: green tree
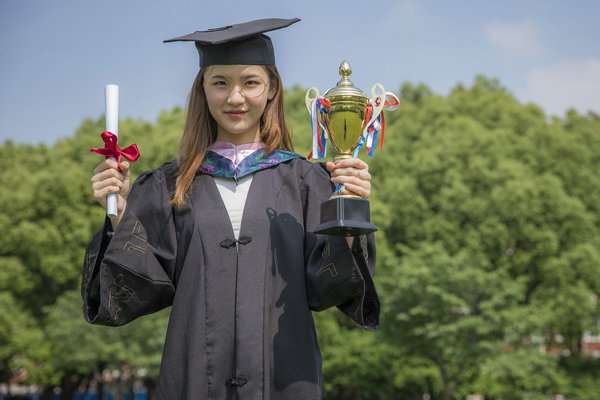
(488, 251)
(449, 309)
(480, 206)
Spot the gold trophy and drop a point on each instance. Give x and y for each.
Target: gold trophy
(345, 122)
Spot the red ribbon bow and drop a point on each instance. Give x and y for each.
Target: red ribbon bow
(111, 149)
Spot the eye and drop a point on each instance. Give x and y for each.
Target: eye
(252, 83)
(218, 83)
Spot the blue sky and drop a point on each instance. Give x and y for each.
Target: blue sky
(57, 56)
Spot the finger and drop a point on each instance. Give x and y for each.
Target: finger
(116, 185)
(124, 167)
(101, 194)
(343, 167)
(106, 164)
(358, 190)
(107, 174)
(121, 204)
(362, 174)
(100, 167)
(112, 181)
(126, 172)
(105, 191)
(352, 162)
(344, 180)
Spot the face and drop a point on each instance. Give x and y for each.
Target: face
(237, 96)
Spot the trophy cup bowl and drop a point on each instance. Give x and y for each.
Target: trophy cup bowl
(345, 122)
(345, 213)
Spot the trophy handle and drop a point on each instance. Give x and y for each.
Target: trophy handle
(312, 94)
(378, 101)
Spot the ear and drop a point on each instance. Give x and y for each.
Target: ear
(272, 92)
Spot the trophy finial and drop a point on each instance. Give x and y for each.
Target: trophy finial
(345, 69)
(345, 87)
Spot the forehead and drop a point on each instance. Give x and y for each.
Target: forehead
(233, 71)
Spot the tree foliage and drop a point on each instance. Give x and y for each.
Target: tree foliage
(488, 252)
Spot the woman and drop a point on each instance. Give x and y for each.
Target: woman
(224, 236)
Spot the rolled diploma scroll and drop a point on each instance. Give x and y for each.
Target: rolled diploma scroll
(111, 97)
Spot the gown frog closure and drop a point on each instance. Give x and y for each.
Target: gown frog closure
(241, 325)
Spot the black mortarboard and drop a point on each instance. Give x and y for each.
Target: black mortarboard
(237, 44)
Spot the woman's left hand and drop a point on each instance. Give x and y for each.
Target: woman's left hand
(353, 173)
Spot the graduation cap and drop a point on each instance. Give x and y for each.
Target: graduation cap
(237, 44)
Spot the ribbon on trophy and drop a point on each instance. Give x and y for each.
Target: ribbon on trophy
(319, 107)
(112, 149)
(378, 125)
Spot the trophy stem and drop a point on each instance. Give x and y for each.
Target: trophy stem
(341, 157)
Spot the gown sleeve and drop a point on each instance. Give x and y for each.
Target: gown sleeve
(130, 273)
(336, 274)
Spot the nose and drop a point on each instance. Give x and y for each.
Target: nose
(236, 96)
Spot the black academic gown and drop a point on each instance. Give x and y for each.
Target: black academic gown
(241, 325)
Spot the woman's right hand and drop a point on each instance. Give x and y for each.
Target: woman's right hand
(109, 179)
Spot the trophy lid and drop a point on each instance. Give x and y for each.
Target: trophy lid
(345, 87)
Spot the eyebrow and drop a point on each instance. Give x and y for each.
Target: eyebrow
(226, 77)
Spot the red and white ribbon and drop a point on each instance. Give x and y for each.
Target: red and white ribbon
(318, 109)
(378, 125)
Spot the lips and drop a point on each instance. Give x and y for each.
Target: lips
(235, 113)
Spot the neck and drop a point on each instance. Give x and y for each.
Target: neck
(251, 136)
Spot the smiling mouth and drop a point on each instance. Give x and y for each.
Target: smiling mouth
(235, 113)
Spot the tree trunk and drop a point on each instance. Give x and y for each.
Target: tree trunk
(445, 380)
(130, 391)
(101, 366)
(47, 393)
(150, 384)
(68, 384)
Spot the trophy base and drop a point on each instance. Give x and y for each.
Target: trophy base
(345, 217)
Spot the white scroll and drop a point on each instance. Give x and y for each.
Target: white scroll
(111, 97)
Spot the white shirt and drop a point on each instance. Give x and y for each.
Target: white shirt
(234, 197)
